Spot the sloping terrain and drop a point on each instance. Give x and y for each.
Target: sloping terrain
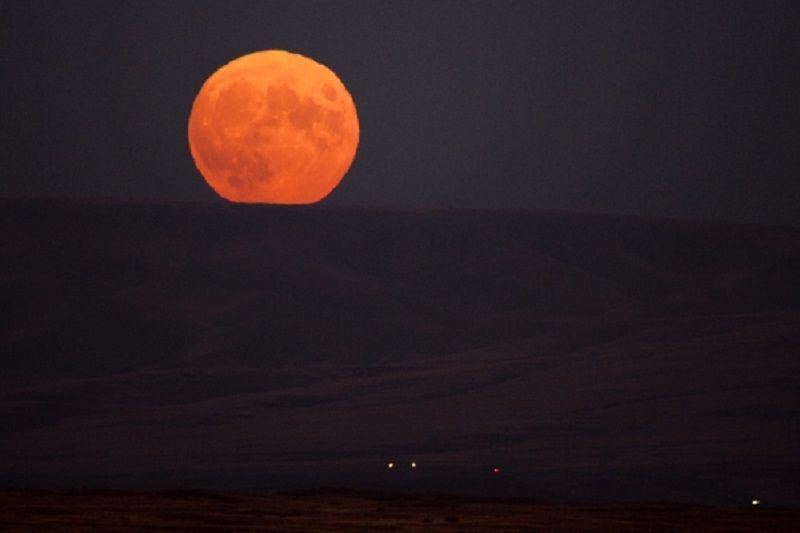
(589, 357)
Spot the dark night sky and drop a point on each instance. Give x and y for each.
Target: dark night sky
(683, 109)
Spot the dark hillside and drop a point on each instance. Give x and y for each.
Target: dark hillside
(596, 356)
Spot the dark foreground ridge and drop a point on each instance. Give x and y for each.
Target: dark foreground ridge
(256, 348)
(331, 511)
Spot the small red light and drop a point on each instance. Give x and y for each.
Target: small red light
(495, 470)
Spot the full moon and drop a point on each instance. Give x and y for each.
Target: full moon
(273, 127)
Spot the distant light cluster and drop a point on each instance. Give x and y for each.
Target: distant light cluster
(392, 465)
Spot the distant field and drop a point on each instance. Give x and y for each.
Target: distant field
(593, 358)
(357, 511)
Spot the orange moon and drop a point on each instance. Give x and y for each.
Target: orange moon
(273, 127)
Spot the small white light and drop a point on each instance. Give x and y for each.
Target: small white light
(413, 464)
(756, 502)
(390, 465)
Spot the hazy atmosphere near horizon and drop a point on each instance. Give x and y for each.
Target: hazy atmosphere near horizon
(678, 109)
(555, 253)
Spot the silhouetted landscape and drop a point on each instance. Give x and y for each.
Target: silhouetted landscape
(400, 266)
(342, 510)
(587, 357)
